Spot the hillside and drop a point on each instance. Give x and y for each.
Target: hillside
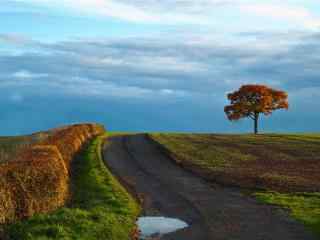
(57, 183)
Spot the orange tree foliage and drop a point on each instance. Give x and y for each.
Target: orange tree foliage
(253, 100)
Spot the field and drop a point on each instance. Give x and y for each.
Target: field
(284, 163)
(99, 209)
(277, 169)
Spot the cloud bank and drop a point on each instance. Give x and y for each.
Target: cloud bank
(183, 83)
(197, 66)
(204, 12)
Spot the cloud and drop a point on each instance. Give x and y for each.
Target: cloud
(167, 12)
(155, 69)
(140, 11)
(106, 90)
(23, 74)
(163, 77)
(297, 15)
(200, 12)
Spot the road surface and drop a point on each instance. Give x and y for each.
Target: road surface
(213, 212)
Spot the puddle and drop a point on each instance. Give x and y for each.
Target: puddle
(156, 226)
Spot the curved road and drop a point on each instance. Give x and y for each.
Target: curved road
(213, 212)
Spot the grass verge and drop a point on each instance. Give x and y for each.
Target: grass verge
(305, 207)
(100, 207)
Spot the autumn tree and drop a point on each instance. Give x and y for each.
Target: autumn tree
(250, 101)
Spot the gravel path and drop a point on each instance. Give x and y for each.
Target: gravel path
(213, 212)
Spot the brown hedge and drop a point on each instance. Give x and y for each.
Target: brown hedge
(38, 180)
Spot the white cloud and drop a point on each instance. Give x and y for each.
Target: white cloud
(135, 11)
(145, 68)
(150, 63)
(85, 87)
(24, 74)
(280, 11)
(187, 11)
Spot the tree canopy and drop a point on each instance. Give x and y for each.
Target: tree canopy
(253, 100)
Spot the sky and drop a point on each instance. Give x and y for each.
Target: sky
(151, 65)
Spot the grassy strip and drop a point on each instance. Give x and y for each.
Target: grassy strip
(100, 208)
(303, 207)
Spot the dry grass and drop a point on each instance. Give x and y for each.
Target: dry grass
(286, 163)
(100, 208)
(11, 147)
(36, 184)
(37, 179)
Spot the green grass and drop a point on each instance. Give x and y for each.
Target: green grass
(100, 207)
(303, 207)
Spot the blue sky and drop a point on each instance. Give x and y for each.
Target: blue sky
(155, 65)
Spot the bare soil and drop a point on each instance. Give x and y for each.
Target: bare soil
(283, 163)
(214, 212)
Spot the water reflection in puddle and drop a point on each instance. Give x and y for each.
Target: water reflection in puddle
(157, 226)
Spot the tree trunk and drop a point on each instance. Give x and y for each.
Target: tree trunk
(256, 119)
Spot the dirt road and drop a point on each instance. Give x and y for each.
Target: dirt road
(213, 212)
